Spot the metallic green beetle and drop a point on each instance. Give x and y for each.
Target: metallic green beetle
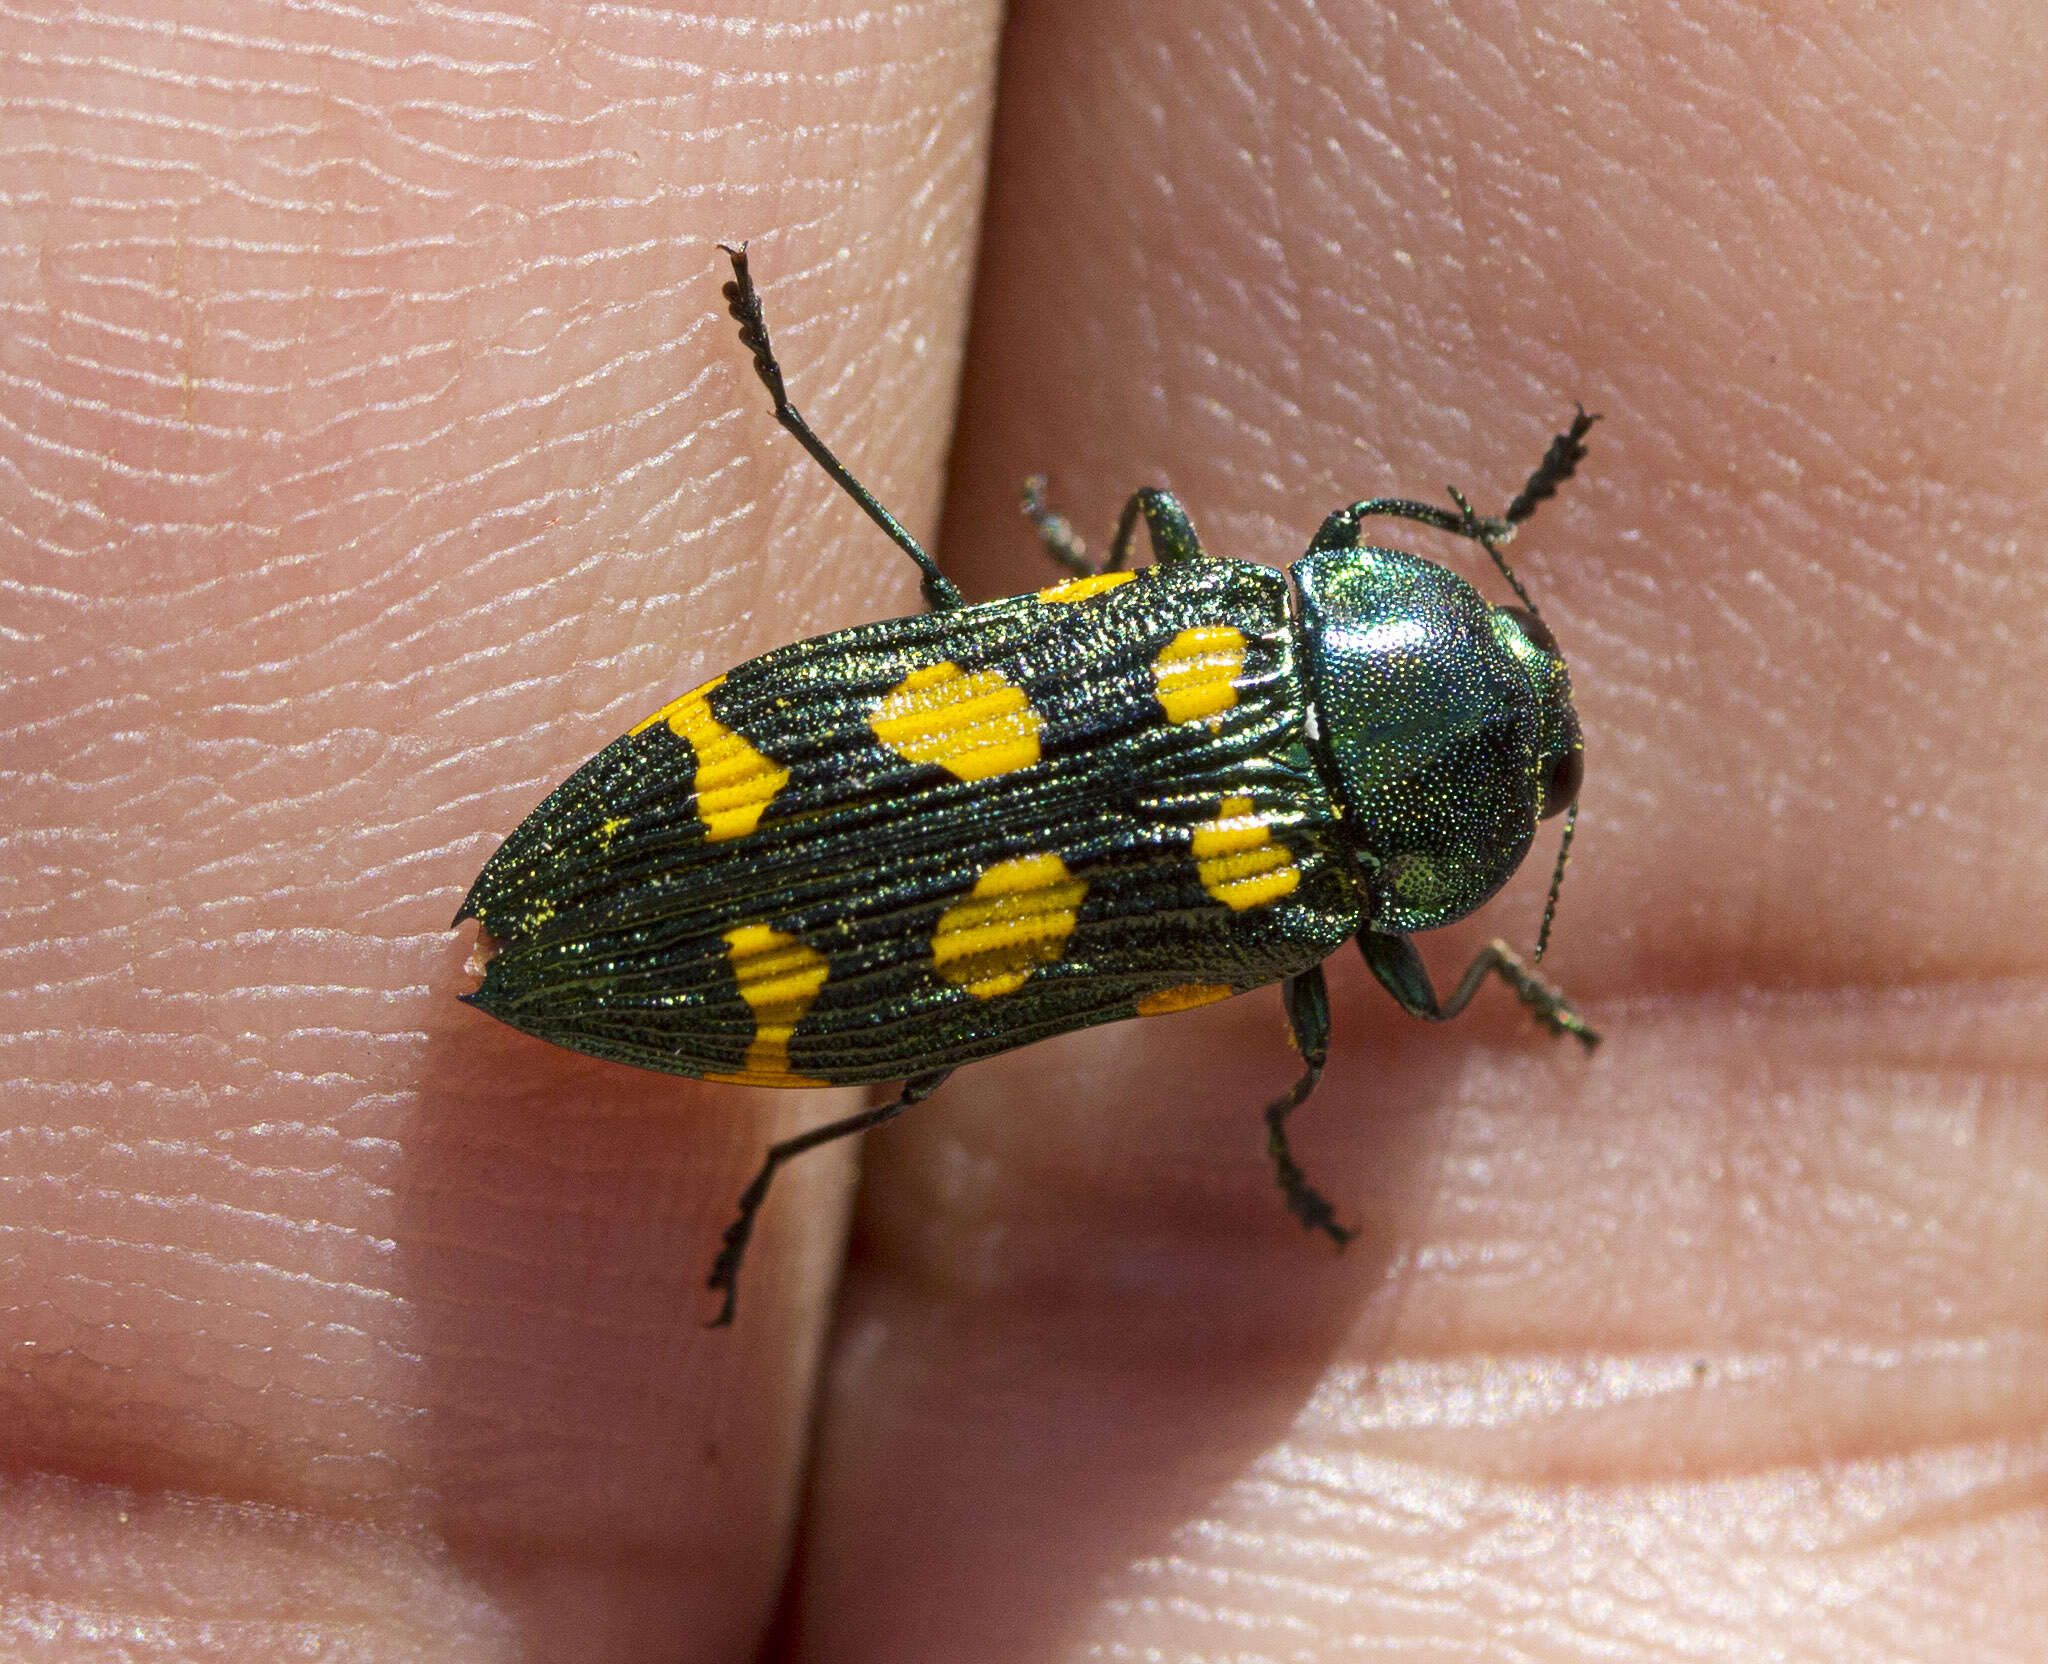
(889, 851)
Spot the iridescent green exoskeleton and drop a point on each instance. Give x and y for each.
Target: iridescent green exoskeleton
(886, 852)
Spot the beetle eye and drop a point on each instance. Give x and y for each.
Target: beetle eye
(1535, 629)
(1561, 786)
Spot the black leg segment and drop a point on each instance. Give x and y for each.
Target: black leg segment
(1166, 523)
(744, 302)
(1308, 1011)
(725, 1270)
(1399, 967)
(1055, 531)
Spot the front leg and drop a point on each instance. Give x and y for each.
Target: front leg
(1400, 970)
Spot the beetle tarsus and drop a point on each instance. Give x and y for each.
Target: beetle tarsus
(1543, 1000)
(1308, 1016)
(1399, 968)
(725, 1270)
(1055, 531)
(743, 300)
(1304, 1201)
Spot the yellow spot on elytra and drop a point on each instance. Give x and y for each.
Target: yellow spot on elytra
(734, 782)
(1017, 917)
(778, 977)
(1240, 864)
(971, 724)
(1183, 996)
(1197, 669)
(612, 828)
(1079, 589)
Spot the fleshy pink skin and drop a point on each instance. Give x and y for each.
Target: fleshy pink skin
(376, 447)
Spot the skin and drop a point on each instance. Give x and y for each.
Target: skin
(375, 449)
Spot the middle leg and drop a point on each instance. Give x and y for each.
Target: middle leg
(1166, 523)
(1308, 1011)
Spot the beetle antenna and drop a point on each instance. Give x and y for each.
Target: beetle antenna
(1564, 854)
(1561, 461)
(1490, 535)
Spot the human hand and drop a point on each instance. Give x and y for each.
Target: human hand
(379, 448)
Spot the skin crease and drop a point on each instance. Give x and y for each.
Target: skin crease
(374, 449)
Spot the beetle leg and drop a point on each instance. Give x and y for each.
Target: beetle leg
(1055, 531)
(1399, 967)
(1166, 523)
(725, 1270)
(1308, 1013)
(744, 302)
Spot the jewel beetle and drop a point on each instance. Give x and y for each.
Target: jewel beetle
(882, 853)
